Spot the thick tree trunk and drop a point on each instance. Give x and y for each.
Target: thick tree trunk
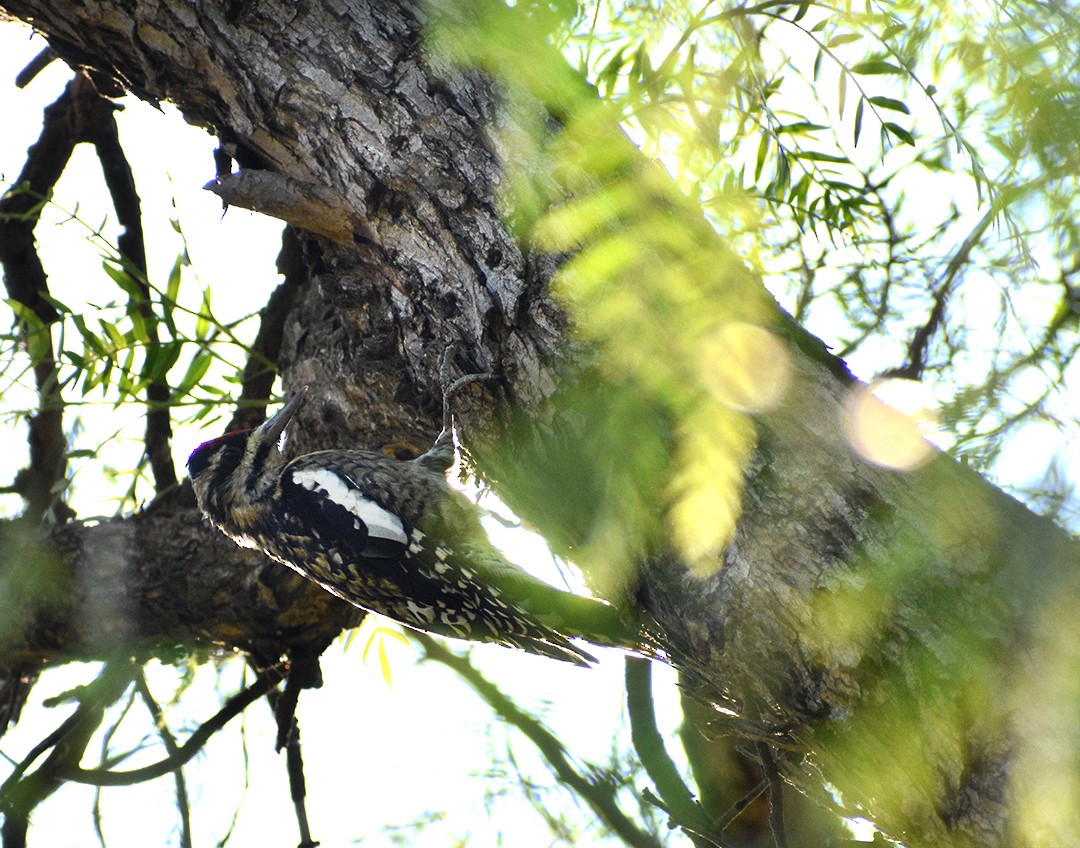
(829, 633)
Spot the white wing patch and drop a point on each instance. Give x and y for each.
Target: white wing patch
(380, 523)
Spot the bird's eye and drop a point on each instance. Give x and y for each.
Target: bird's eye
(230, 449)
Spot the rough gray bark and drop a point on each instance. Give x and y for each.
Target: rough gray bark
(356, 137)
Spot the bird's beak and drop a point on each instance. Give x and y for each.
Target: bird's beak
(275, 426)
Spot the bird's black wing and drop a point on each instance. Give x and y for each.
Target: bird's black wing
(333, 508)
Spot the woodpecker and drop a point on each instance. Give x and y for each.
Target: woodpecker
(392, 537)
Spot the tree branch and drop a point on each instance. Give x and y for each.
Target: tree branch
(598, 795)
(169, 741)
(183, 754)
(684, 810)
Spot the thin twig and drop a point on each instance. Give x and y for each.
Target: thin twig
(195, 742)
(774, 785)
(169, 741)
(21, 793)
(600, 796)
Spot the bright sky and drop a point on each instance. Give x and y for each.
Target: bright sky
(376, 756)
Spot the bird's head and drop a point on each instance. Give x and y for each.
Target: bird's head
(233, 473)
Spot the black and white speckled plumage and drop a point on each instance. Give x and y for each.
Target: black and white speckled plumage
(389, 536)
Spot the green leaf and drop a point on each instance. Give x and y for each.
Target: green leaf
(890, 103)
(202, 323)
(875, 66)
(801, 128)
(172, 290)
(762, 152)
(846, 38)
(783, 174)
(138, 327)
(801, 13)
(25, 314)
(105, 377)
(891, 30)
(124, 280)
(195, 372)
(858, 120)
(609, 74)
(59, 306)
(160, 358)
(91, 340)
(818, 156)
(901, 133)
(114, 334)
(842, 186)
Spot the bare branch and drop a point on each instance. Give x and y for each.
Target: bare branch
(232, 708)
(597, 794)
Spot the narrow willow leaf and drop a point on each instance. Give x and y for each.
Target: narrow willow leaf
(890, 103)
(901, 133)
(845, 38)
(858, 120)
(800, 128)
(58, 305)
(819, 156)
(91, 341)
(25, 314)
(114, 334)
(172, 290)
(124, 280)
(783, 174)
(875, 66)
(841, 93)
(196, 371)
(160, 358)
(762, 152)
(202, 323)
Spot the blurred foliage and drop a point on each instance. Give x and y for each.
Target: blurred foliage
(903, 177)
(897, 172)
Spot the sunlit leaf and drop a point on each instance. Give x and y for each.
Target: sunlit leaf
(890, 103)
(845, 38)
(200, 364)
(202, 322)
(875, 66)
(123, 279)
(901, 133)
(762, 152)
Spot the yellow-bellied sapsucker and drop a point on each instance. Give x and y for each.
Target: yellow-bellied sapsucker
(392, 537)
